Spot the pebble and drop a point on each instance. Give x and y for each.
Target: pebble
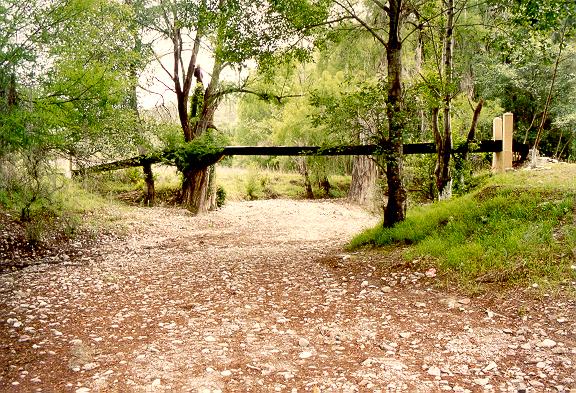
(89, 366)
(546, 343)
(435, 371)
(83, 390)
(303, 342)
(210, 339)
(491, 366)
(482, 381)
(226, 373)
(305, 355)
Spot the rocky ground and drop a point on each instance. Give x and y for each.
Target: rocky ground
(260, 297)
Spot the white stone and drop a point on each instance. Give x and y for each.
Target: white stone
(490, 366)
(547, 343)
(435, 371)
(83, 390)
(305, 355)
(210, 339)
(303, 342)
(482, 381)
(226, 373)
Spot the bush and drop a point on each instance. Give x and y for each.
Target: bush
(220, 196)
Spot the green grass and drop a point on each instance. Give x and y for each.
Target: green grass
(250, 184)
(518, 228)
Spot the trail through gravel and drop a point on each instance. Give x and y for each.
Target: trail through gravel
(261, 297)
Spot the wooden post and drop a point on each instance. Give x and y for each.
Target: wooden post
(497, 162)
(507, 131)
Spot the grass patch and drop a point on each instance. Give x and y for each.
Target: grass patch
(519, 228)
(250, 184)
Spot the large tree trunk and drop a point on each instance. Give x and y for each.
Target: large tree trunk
(195, 190)
(198, 186)
(395, 210)
(364, 176)
(444, 148)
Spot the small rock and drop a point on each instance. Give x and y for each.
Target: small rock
(210, 339)
(83, 390)
(156, 383)
(435, 371)
(303, 342)
(546, 343)
(226, 373)
(364, 284)
(482, 381)
(89, 366)
(464, 301)
(491, 366)
(386, 289)
(420, 304)
(405, 334)
(305, 355)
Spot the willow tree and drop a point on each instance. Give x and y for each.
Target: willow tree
(230, 33)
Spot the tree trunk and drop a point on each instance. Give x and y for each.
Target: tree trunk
(198, 187)
(150, 194)
(444, 149)
(325, 186)
(395, 210)
(195, 187)
(307, 183)
(364, 176)
(534, 157)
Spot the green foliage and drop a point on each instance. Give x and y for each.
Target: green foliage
(220, 196)
(200, 153)
(501, 233)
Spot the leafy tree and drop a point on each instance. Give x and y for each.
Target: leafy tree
(235, 32)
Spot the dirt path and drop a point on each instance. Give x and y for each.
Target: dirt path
(259, 297)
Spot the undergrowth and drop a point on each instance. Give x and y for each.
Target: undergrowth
(506, 233)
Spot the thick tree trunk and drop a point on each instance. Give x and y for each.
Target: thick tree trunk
(442, 171)
(195, 187)
(395, 210)
(364, 176)
(198, 187)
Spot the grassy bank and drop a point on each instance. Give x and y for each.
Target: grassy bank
(518, 228)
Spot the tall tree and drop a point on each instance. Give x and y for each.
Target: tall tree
(390, 18)
(234, 32)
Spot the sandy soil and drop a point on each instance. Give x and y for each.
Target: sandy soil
(260, 297)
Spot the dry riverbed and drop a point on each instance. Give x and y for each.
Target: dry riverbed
(261, 297)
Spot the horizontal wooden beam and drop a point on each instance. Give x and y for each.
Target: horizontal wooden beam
(364, 150)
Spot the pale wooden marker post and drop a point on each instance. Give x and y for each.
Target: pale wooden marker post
(497, 136)
(502, 130)
(507, 131)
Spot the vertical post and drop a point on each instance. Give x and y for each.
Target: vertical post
(507, 131)
(497, 162)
